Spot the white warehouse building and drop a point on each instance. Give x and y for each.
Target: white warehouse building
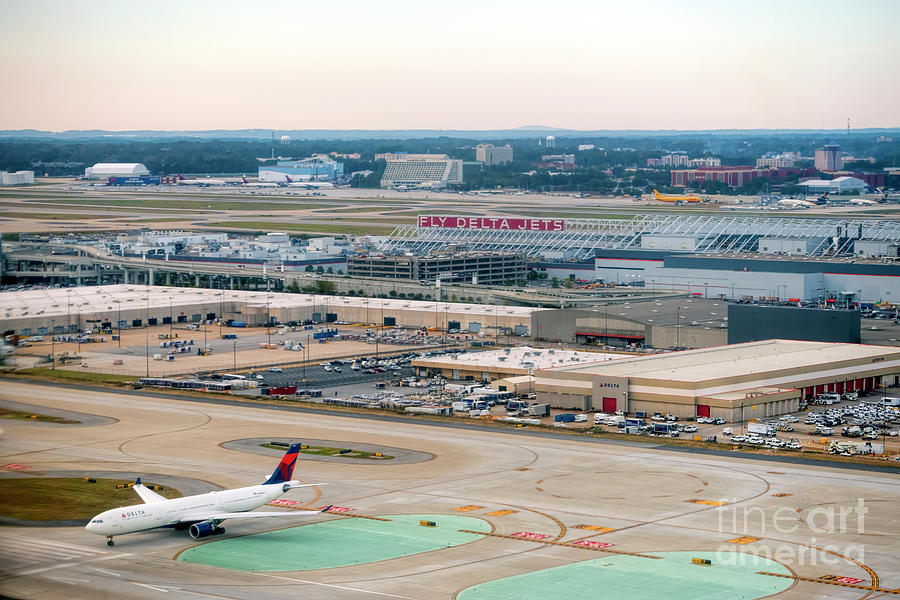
(838, 185)
(16, 177)
(107, 170)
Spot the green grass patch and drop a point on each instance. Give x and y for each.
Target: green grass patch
(54, 216)
(64, 375)
(311, 228)
(25, 416)
(64, 498)
(192, 204)
(327, 451)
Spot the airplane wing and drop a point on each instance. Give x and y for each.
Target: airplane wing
(210, 516)
(146, 494)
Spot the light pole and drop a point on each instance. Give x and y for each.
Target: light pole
(119, 322)
(147, 332)
(52, 345)
(677, 325)
(170, 317)
(234, 356)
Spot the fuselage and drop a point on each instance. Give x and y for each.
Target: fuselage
(168, 513)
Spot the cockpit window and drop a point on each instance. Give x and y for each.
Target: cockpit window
(97, 521)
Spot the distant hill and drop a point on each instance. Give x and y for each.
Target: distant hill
(406, 134)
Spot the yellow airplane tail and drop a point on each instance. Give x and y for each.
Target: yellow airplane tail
(656, 195)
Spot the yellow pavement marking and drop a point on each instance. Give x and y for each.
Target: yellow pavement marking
(595, 528)
(468, 507)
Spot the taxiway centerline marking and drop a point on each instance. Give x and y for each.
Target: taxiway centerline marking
(868, 588)
(564, 544)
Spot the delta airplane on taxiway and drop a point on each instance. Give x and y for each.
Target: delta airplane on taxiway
(202, 513)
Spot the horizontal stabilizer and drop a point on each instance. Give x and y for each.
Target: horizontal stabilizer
(146, 494)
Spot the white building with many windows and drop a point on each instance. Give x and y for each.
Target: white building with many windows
(421, 171)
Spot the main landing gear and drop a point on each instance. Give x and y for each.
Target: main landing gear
(109, 541)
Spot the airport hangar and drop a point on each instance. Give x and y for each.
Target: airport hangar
(736, 382)
(494, 365)
(42, 311)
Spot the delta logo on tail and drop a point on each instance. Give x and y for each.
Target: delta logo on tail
(285, 468)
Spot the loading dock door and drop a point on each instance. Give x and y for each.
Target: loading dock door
(609, 405)
(703, 410)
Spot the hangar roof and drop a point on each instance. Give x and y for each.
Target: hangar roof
(88, 299)
(736, 360)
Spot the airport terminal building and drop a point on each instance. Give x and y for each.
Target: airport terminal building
(737, 382)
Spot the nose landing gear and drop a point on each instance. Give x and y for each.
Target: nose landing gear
(109, 541)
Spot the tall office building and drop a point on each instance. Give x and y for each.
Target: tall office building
(492, 155)
(829, 158)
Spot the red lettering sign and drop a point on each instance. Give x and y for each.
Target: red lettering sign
(838, 579)
(336, 509)
(590, 544)
(527, 535)
(512, 224)
(283, 502)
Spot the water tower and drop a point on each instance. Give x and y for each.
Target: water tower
(285, 140)
(551, 141)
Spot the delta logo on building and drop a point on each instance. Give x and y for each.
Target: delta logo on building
(511, 224)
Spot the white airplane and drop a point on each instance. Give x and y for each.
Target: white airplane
(309, 185)
(863, 202)
(207, 182)
(791, 203)
(202, 513)
(259, 184)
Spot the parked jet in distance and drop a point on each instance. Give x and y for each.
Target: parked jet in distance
(202, 513)
(259, 184)
(205, 182)
(793, 203)
(677, 199)
(309, 185)
(863, 202)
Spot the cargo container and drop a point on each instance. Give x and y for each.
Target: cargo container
(565, 418)
(289, 390)
(539, 410)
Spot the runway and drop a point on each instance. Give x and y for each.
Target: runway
(560, 492)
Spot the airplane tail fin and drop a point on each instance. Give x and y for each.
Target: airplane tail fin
(656, 194)
(288, 178)
(285, 468)
(243, 179)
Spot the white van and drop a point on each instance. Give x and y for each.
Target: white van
(890, 401)
(599, 418)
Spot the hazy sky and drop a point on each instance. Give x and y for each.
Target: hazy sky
(643, 64)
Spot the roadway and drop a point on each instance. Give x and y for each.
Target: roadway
(647, 498)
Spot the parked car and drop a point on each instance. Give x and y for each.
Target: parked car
(274, 370)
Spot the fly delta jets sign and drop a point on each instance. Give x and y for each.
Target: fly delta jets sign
(513, 224)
